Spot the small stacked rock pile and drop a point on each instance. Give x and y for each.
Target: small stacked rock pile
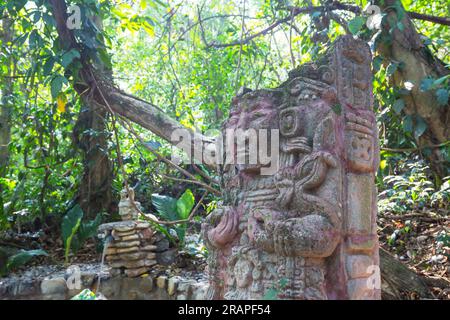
(130, 248)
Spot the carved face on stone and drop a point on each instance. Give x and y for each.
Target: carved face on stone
(246, 120)
(252, 113)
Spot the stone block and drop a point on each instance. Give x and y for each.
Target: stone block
(161, 282)
(53, 286)
(167, 257)
(172, 285)
(358, 266)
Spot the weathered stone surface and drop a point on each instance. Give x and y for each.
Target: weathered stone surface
(111, 251)
(26, 287)
(136, 256)
(137, 285)
(122, 226)
(125, 244)
(146, 234)
(161, 282)
(162, 245)
(172, 285)
(149, 248)
(168, 257)
(146, 284)
(112, 287)
(308, 227)
(3, 288)
(117, 234)
(136, 272)
(53, 286)
(130, 242)
(142, 225)
(133, 264)
(130, 238)
(127, 250)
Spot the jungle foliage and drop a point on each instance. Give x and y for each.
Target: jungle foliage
(190, 58)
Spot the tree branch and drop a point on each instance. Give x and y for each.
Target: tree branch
(334, 6)
(98, 89)
(426, 17)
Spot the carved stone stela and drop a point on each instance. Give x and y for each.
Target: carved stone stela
(308, 231)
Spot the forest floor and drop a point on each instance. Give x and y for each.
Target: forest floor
(418, 239)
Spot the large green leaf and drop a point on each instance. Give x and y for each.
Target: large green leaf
(398, 106)
(166, 206)
(86, 230)
(356, 24)
(420, 126)
(70, 224)
(68, 57)
(56, 85)
(22, 257)
(185, 204)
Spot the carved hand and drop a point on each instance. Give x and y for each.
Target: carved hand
(226, 230)
(261, 226)
(310, 236)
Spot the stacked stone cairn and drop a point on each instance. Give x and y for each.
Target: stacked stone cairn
(130, 248)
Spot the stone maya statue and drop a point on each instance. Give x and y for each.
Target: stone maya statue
(309, 230)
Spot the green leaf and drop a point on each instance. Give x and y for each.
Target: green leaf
(420, 126)
(21, 39)
(439, 81)
(356, 24)
(383, 164)
(68, 57)
(105, 58)
(86, 230)
(391, 68)
(398, 106)
(185, 204)
(23, 257)
(166, 206)
(407, 123)
(442, 96)
(56, 85)
(377, 61)
(70, 224)
(426, 84)
(48, 66)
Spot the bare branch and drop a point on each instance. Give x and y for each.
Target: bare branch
(426, 17)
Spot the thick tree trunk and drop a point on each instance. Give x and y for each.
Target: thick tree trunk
(5, 110)
(398, 282)
(90, 135)
(94, 192)
(407, 48)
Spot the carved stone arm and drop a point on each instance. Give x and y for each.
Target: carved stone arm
(221, 227)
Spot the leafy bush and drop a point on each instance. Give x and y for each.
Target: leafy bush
(75, 232)
(20, 258)
(171, 209)
(412, 190)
